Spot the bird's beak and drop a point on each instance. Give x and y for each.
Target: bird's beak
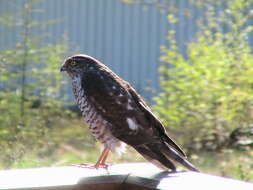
(63, 68)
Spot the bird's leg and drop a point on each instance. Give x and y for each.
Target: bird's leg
(100, 163)
(102, 159)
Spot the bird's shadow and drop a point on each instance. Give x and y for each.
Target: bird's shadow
(165, 174)
(123, 180)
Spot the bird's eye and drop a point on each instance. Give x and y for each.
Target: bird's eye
(72, 63)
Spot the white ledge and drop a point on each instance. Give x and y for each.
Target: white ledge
(131, 175)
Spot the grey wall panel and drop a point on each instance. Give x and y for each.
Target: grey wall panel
(126, 38)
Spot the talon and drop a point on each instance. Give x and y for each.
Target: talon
(90, 166)
(103, 166)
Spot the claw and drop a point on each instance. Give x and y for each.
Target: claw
(91, 166)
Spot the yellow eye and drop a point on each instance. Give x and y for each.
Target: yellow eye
(72, 63)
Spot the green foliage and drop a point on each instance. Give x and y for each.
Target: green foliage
(228, 162)
(31, 93)
(209, 92)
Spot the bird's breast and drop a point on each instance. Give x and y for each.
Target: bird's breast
(98, 126)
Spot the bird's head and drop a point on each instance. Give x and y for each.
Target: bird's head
(78, 64)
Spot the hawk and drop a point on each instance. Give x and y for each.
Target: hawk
(117, 115)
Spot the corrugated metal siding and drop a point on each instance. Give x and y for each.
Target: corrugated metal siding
(126, 38)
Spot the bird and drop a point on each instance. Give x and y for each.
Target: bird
(117, 115)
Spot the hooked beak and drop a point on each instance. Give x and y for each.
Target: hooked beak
(63, 68)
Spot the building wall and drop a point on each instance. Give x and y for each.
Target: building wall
(124, 37)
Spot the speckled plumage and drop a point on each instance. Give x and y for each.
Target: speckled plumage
(98, 126)
(116, 114)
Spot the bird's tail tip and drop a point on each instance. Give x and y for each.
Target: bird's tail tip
(171, 154)
(164, 156)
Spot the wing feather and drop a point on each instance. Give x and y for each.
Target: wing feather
(111, 94)
(111, 97)
(156, 123)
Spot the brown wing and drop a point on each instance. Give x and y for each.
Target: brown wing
(116, 101)
(111, 99)
(111, 95)
(152, 119)
(160, 152)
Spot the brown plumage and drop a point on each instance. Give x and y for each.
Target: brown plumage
(116, 114)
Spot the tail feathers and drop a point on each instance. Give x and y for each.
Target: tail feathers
(172, 154)
(152, 154)
(170, 142)
(161, 155)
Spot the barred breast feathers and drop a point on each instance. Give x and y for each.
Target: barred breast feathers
(97, 125)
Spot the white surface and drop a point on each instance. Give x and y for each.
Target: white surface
(200, 181)
(71, 175)
(41, 177)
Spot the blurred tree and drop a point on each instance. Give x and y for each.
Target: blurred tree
(209, 93)
(206, 98)
(30, 87)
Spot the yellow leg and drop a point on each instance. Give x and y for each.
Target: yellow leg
(102, 158)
